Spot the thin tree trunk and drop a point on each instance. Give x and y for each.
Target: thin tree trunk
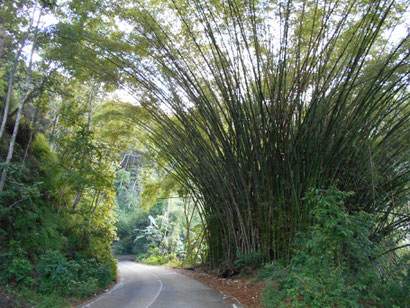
(78, 197)
(90, 105)
(80, 186)
(10, 87)
(97, 203)
(20, 108)
(33, 130)
(53, 131)
(135, 183)
(188, 220)
(22, 43)
(3, 39)
(61, 200)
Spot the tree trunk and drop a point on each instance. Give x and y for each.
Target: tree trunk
(32, 132)
(61, 200)
(97, 203)
(22, 43)
(3, 39)
(188, 219)
(53, 131)
(20, 108)
(81, 187)
(78, 197)
(10, 87)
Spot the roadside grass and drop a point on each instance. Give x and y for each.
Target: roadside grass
(40, 300)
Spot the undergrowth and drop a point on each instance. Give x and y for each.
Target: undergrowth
(336, 263)
(49, 255)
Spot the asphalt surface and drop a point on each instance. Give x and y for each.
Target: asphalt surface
(148, 286)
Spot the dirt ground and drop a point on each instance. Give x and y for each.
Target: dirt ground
(8, 299)
(243, 290)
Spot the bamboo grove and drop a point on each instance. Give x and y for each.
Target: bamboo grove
(256, 102)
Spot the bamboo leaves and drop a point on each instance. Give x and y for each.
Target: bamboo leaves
(253, 103)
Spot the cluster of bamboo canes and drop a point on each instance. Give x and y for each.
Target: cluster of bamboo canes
(255, 103)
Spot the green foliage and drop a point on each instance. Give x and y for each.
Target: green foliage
(154, 256)
(56, 274)
(156, 187)
(152, 259)
(22, 188)
(335, 262)
(165, 233)
(248, 262)
(246, 126)
(394, 288)
(128, 224)
(41, 300)
(16, 268)
(47, 245)
(78, 278)
(150, 194)
(41, 148)
(39, 229)
(156, 238)
(20, 269)
(249, 115)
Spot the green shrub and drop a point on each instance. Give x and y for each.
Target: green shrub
(40, 300)
(78, 278)
(335, 264)
(85, 288)
(154, 260)
(15, 267)
(395, 287)
(18, 270)
(57, 273)
(42, 149)
(103, 273)
(249, 261)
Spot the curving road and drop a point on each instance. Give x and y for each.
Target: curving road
(145, 286)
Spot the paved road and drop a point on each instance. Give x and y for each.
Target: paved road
(145, 286)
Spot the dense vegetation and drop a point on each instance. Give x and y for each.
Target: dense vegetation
(264, 134)
(155, 222)
(57, 192)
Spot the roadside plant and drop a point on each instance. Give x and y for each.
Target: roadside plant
(336, 262)
(78, 278)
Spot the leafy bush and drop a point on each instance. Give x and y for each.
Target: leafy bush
(154, 260)
(335, 264)
(41, 300)
(19, 270)
(15, 267)
(154, 257)
(73, 277)
(394, 291)
(249, 261)
(57, 273)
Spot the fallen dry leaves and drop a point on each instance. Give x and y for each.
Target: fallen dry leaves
(243, 290)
